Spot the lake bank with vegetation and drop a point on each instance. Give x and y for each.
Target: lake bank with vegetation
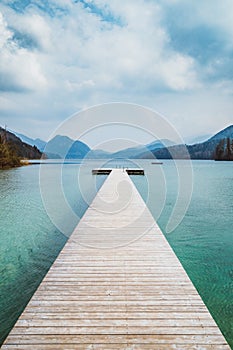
(224, 150)
(13, 150)
(15, 147)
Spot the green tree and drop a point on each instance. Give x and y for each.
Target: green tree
(224, 149)
(220, 150)
(228, 149)
(8, 157)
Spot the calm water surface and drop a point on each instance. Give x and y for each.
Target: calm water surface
(30, 242)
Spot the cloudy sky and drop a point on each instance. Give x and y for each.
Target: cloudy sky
(58, 57)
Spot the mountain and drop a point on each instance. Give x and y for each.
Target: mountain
(78, 150)
(58, 146)
(135, 152)
(223, 134)
(40, 144)
(160, 144)
(132, 152)
(204, 150)
(65, 147)
(224, 149)
(99, 154)
(199, 139)
(12, 150)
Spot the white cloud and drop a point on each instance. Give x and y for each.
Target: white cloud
(120, 51)
(37, 27)
(108, 55)
(178, 73)
(5, 33)
(19, 67)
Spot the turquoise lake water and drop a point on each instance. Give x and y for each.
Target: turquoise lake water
(30, 242)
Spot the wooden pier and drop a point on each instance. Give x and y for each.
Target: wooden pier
(117, 284)
(107, 171)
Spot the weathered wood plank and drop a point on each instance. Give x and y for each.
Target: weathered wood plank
(202, 315)
(117, 339)
(110, 308)
(101, 330)
(116, 346)
(115, 322)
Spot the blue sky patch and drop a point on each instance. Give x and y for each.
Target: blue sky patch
(201, 43)
(19, 5)
(104, 13)
(24, 40)
(43, 5)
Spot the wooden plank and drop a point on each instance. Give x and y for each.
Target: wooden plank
(118, 339)
(116, 308)
(116, 315)
(114, 330)
(115, 346)
(116, 284)
(115, 322)
(119, 296)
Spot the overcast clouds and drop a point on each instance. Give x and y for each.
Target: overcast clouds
(59, 56)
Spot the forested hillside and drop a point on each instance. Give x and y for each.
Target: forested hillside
(12, 150)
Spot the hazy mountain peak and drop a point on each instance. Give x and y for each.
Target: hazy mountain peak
(65, 147)
(40, 144)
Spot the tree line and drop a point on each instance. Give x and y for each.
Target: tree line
(224, 149)
(8, 156)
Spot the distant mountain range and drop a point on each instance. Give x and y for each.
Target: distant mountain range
(58, 147)
(203, 150)
(199, 139)
(40, 144)
(64, 147)
(135, 152)
(130, 153)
